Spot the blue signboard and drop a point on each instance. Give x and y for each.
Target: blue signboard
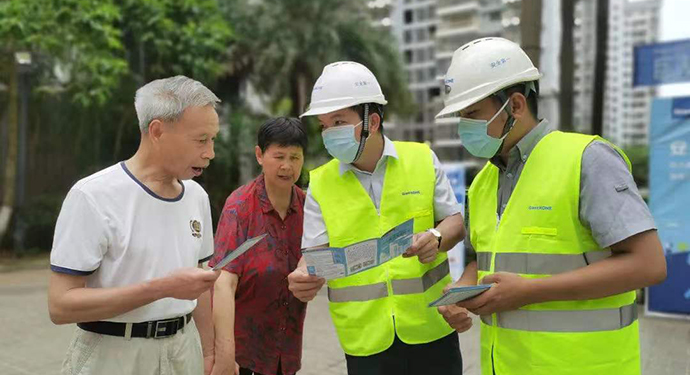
(669, 183)
(662, 63)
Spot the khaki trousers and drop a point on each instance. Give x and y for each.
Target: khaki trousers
(93, 353)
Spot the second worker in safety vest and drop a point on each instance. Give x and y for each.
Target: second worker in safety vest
(557, 223)
(372, 185)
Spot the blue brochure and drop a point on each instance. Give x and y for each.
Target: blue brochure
(455, 295)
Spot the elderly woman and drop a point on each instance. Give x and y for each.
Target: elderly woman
(258, 322)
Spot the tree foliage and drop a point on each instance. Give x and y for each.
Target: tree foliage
(89, 57)
(639, 158)
(93, 48)
(78, 39)
(283, 45)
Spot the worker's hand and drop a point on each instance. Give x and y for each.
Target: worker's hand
(303, 285)
(424, 246)
(508, 292)
(456, 317)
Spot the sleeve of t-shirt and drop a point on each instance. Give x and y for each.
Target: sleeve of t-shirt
(228, 237)
(314, 231)
(610, 204)
(206, 251)
(445, 202)
(81, 236)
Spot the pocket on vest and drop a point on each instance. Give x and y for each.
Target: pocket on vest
(543, 231)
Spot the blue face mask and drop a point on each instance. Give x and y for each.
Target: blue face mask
(474, 138)
(341, 143)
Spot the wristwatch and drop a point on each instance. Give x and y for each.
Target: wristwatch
(437, 234)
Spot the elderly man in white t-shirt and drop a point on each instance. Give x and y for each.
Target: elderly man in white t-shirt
(130, 241)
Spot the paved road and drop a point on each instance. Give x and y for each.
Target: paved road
(31, 345)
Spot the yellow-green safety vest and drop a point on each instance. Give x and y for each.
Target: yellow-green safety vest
(540, 234)
(371, 307)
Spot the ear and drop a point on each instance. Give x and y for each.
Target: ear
(374, 123)
(155, 130)
(259, 155)
(518, 106)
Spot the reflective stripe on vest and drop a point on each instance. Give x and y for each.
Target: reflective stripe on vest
(483, 261)
(565, 320)
(421, 284)
(379, 290)
(358, 293)
(537, 263)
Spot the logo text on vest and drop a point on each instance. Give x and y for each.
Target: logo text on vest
(540, 208)
(411, 192)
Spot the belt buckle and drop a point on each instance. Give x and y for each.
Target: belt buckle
(165, 328)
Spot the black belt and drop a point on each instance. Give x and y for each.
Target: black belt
(153, 329)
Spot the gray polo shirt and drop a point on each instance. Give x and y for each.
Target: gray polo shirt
(445, 203)
(610, 204)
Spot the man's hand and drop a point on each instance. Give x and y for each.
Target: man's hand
(303, 285)
(424, 246)
(456, 317)
(509, 292)
(189, 283)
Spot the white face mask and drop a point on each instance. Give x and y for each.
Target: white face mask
(341, 143)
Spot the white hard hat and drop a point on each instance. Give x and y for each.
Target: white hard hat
(483, 67)
(342, 85)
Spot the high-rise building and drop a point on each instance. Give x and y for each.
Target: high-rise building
(429, 31)
(584, 45)
(380, 11)
(463, 21)
(414, 27)
(627, 109)
(549, 62)
(460, 22)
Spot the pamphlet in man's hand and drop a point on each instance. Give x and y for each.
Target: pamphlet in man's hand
(246, 245)
(455, 295)
(335, 262)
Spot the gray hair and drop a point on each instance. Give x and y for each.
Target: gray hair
(166, 99)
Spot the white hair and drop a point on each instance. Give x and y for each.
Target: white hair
(166, 99)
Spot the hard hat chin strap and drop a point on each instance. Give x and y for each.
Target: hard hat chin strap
(365, 133)
(503, 97)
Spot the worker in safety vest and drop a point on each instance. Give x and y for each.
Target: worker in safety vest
(557, 224)
(381, 315)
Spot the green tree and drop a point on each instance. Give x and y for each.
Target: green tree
(76, 36)
(281, 46)
(639, 158)
(164, 38)
(75, 33)
(90, 57)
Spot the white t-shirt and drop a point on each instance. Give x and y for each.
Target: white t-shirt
(116, 232)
